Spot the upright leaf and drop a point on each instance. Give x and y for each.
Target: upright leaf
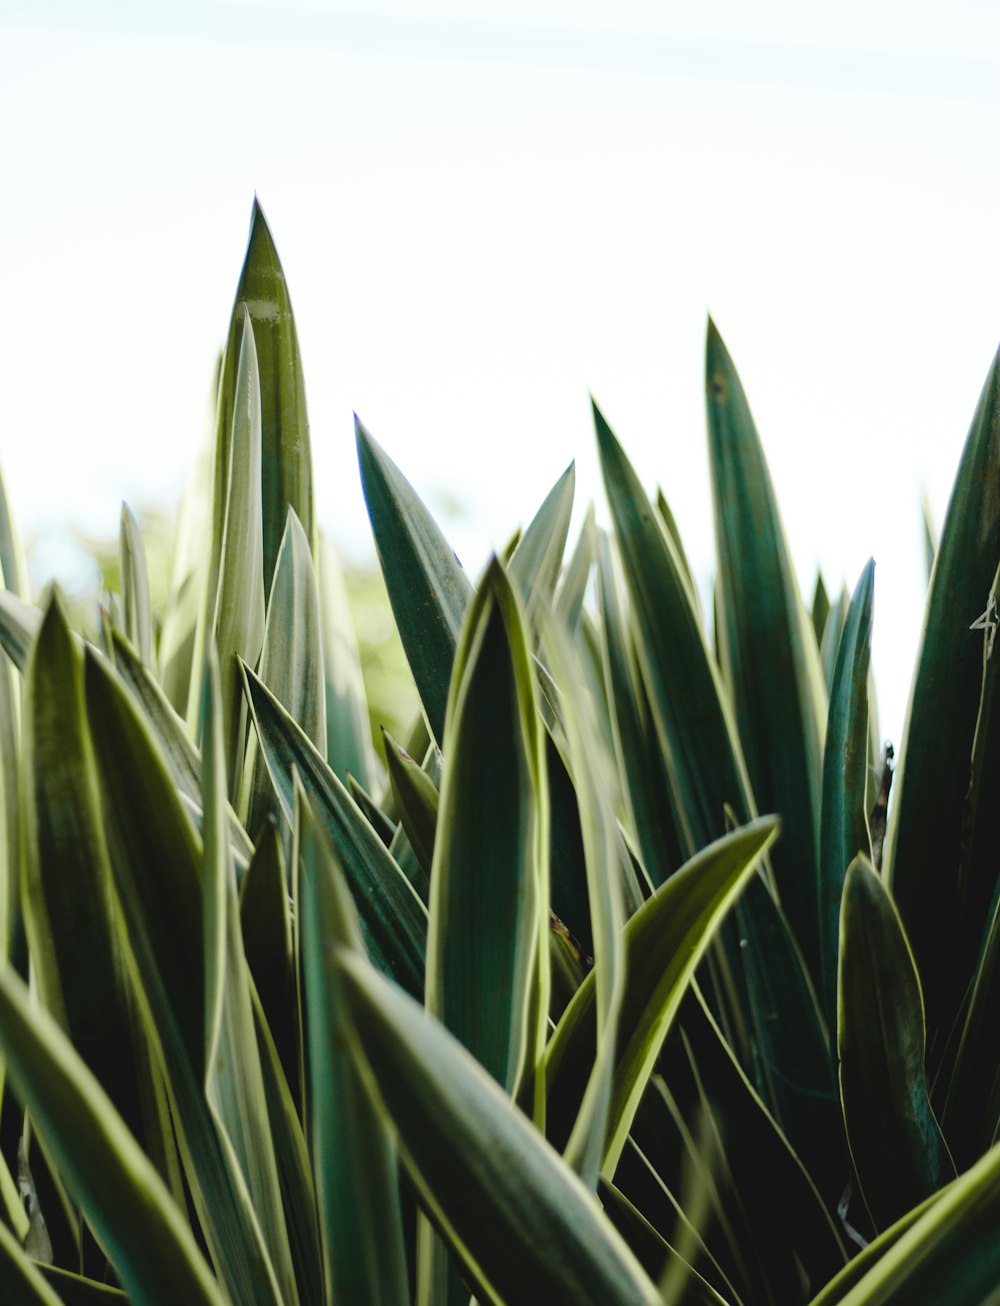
(348, 737)
(899, 1152)
(135, 586)
(535, 564)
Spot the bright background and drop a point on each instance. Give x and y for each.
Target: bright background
(487, 210)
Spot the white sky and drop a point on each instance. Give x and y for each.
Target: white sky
(484, 212)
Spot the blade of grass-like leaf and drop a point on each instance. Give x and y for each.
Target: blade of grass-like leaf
(534, 566)
(67, 892)
(899, 1152)
(487, 944)
(13, 564)
(666, 516)
(585, 1147)
(348, 737)
(156, 857)
(238, 622)
(353, 1159)
(708, 785)
(234, 1086)
(291, 660)
(664, 941)
(769, 658)
(947, 1256)
(75, 1290)
(19, 622)
(524, 1225)
(393, 919)
(940, 848)
(427, 587)
(135, 586)
(124, 1199)
(573, 587)
(175, 744)
(844, 825)
(416, 800)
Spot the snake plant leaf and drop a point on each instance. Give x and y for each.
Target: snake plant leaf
(291, 660)
(487, 943)
(265, 918)
(767, 651)
(238, 624)
(172, 738)
(156, 858)
(899, 1152)
(353, 1160)
(707, 777)
(585, 1147)
(393, 919)
(417, 800)
(234, 1085)
(536, 561)
(284, 474)
(348, 738)
(664, 941)
(946, 1257)
(844, 825)
(67, 890)
(427, 587)
(19, 623)
(135, 586)
(125, 1202)
(643, 785)
(573, 586)
(944, 827)
(524, 1226)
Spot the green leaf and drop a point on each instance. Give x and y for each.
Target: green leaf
(353, 1159)
(348, 737)
(234, 1086)
(156, 857)
(13, 564)
(427, 587)
(573, 587)
(844, 825)
(291, 660)
(898, 1150)
(135, 587)
(125, 1202)
(535, 564)
(664, 941)
(416, 799)
(19, 623)
(393, 919)
(21, 1281)
(940, 848)
(487, 945)
(767, 652)
(71, 914)
(524, 1226)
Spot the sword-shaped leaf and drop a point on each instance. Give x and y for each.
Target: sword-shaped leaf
(135, 586)
(535, 564)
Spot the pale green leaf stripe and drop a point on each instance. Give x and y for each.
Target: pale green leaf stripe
(588, 763)
(427, 587)
(489, 884)
(899, 1153)
(21, 1281)
(122, 1196)
(135, 586)
(664, 941)
(19, 622)
(767, 651)
(348, 734)
(291, 660)
(393, 919)
(844, 824)
(417, 799)
(353, 1159)
(234, 1086)
(569, 597)
(534, 566)
(238, 624)
(525, 1227)
(13, 564)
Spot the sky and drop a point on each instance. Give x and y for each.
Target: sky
(487, 213)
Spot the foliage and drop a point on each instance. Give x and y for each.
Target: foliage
(550, 1007)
